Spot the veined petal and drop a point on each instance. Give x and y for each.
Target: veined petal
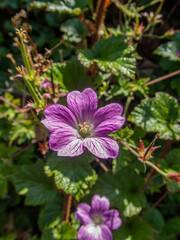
(66, 142)
(83, 105)
(108, 119)
(100, 204)
(58, 116)
(94, 232)
(111, 219)
(82, 213)
(102, 147)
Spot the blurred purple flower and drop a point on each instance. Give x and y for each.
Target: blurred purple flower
(82, 126)
(98, 220)
(46, 84)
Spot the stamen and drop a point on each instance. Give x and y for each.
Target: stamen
(84, 127)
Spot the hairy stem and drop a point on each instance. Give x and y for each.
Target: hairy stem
(31, 90)
(132, 150)
(25, 58)
(155, 168)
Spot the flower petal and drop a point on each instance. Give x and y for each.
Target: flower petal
(58, 116)
(82, 213)
(66, 142)
(111, 219)
(83, 105)
(102, 147)
(94, 232)
(108, 119)
(100, 204)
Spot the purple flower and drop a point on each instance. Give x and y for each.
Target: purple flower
(82, 126)
(46, 84)
(98, 220)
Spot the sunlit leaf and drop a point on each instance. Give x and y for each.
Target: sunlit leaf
(74, 7)
(160, 114)
(169, 50)
(73, 175)
(111, 55)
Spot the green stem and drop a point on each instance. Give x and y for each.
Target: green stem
(31, 90)
(155, 168)
(147, 5)
(129, 99)
(25, 58)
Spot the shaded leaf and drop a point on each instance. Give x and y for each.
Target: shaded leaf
(33, 182)
(123, 191)
(160, 114)
(112, 54)
(51, 214)
(155, 219)
(70, 76)
(134, 228)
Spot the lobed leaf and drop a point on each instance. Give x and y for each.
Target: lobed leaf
(160, 114)
(73, 175)
(111, 55)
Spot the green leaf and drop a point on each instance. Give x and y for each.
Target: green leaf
(9, 236)
(74, 30)
(62, 74)
(171, 229)
(160, 114)
(65, 232)
(33, 182)
(122, 190)
(169, 50)
(74, 7)
(155, 219)
(48, 235)
(51, 214)
(127, 88)
(3, 188)
(134, 228)
(74, 175)
(111, 55)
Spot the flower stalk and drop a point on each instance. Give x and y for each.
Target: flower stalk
(22, 36)
(155, 168)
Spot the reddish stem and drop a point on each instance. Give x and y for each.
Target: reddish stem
(132, 150)
(12, 104)
(102, 165)
(156, 203)
(67, 207)
(100, 15)
(163, 78)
